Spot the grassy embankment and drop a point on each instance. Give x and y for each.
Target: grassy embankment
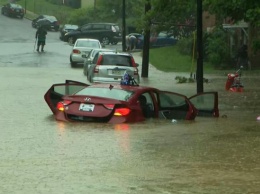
(168, 59)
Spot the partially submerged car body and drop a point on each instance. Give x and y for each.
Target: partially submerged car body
(76, 101)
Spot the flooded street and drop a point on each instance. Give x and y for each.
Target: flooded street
(42, 156)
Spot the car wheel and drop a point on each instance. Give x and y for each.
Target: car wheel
(84, 70)
(105, 40)
(91, 79)
(71, 40)
(72, 63)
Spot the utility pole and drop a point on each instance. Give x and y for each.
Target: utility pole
(199, 74)
(123, 27)
(146, 46)
(25, 5)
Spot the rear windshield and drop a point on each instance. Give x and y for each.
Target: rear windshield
(16, 6)
(74, 27)
(51, 18)
(87, 43)
(116, 94)
(119, 60)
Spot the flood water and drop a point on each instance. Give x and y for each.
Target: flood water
(205, 156)
(39, 155)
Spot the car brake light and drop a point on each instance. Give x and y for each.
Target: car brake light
(109, 106)
(113, 29)
(122, 111)
(61, 105)
(133, 62)
(76, 51)
(96, 69)
(99, 61)
(136, 71)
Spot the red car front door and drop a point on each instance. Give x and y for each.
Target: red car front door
(206, 104)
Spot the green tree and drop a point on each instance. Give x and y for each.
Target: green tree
(237, 10)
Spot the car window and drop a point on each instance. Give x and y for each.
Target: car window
(67, 89)
(51, 18)
(92, 44)
(40, 17)
(95, 58)
(85, 27)
(149, 99)
(117, 60)
(16, 6)
(98, 26)
(116, 94)
(206, 101)
(107, 27)
(168, 100)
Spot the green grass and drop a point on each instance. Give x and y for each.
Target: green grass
(168, 59)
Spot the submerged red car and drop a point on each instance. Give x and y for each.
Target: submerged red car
(116, 103)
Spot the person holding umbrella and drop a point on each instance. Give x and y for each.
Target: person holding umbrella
(41, 37)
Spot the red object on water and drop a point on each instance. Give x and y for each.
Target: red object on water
(233, 82)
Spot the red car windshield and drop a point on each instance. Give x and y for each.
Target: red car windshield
(116, 94)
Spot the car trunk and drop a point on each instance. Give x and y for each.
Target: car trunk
(114, 71)
(96, 109)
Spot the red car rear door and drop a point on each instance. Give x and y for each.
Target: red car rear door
(206, 104)
(57, 91)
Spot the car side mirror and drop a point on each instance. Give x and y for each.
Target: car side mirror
(137, 64)
(84, 56)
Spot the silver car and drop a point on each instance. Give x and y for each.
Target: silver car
(110, 67)
(81, 47)
(89, 58)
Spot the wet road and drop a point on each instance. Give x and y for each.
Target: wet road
(41, 155)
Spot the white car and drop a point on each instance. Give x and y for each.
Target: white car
(89, 58)
(81, 47)
(108, 67)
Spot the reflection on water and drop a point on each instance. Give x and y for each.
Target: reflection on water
(205, 156)
(208, 155)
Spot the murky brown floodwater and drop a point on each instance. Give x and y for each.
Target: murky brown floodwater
(206, 156)
(39, 155)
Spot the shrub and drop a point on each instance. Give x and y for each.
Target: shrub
(185, 45)
(217, 49)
